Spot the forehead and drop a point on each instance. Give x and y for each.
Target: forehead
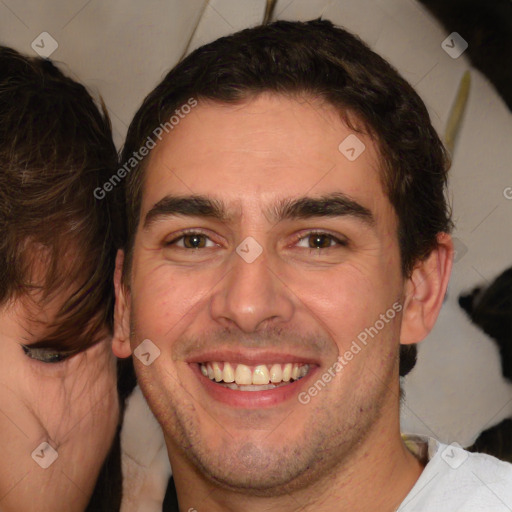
(262, 149)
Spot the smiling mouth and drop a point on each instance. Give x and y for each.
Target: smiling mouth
(260, 377)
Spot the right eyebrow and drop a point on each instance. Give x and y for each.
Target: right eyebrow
(190, 206)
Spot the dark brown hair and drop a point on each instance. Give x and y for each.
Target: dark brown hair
(55, 148)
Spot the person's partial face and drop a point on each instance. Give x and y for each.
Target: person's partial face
(72, 405)
(204, 295)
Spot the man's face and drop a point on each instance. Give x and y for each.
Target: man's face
(318, 283)
(71, 405)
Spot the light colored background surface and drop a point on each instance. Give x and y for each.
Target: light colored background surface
(122, 48)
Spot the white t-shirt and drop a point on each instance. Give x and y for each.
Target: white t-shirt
(455, 480)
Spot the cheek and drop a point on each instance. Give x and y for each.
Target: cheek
(348, 300)
(78, 415)
(22, 397)
(86, 395)
(163, 296)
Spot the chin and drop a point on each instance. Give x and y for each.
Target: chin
(252, 469)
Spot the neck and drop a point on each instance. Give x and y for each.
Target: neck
(378, 476)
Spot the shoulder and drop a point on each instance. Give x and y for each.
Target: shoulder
(457, 480)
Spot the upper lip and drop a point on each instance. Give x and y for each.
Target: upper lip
(250, 357)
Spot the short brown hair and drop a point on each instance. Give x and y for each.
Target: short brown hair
(55, 148)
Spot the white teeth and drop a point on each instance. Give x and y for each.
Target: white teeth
(253, 378)
(243, 374)
(228, 375)
(287, 372)
(249, 388)
(276, 373)
(217, 372)
(260, 375)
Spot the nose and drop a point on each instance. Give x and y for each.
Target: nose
(252, 296)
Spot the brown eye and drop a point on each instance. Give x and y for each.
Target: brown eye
(320, 240)
(194, 241)
(191, 240)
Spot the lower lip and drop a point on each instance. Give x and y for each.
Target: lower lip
(252, 399)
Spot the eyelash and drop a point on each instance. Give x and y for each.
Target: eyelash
(297, 238)
(302, 236)
(48, 356)
(183, 234)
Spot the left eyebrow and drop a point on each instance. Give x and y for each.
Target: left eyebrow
(331, 205)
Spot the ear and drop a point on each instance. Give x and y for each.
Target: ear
(425, 291)
(121, 338)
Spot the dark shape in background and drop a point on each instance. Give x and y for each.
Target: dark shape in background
(496, 441)
(487, 27)
(491, 310)
(408, 357)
